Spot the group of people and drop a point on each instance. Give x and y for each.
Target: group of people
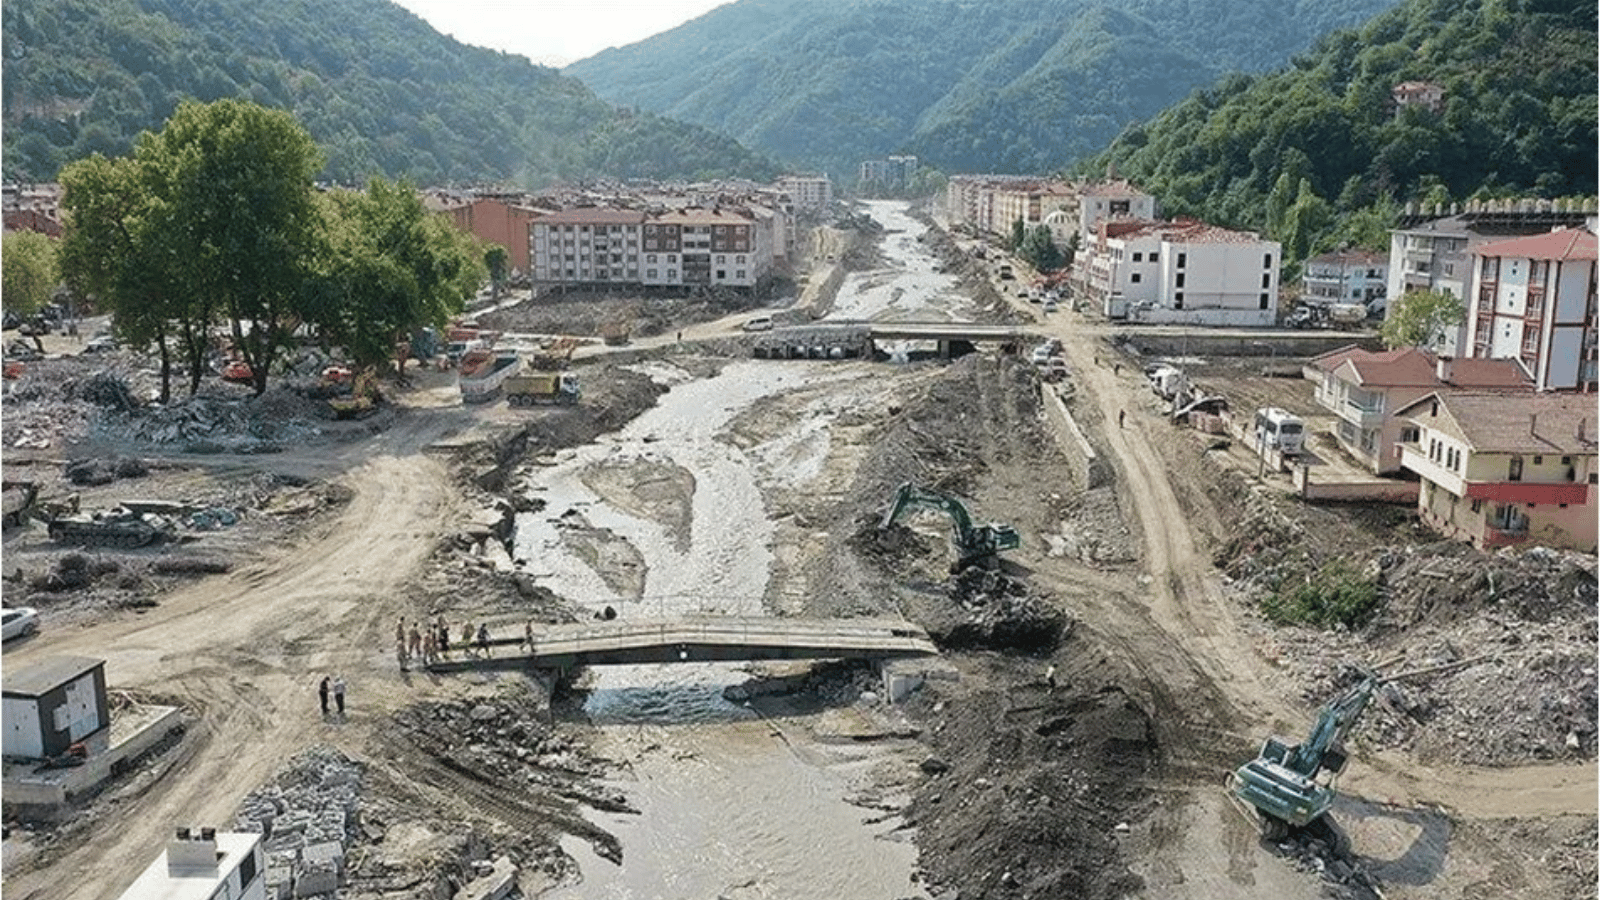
(430, 641)
(333, 685)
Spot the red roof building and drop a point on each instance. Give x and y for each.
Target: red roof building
(1533, 299)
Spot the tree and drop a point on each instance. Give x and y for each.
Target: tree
(1040, 250)
(496, 260)
(1019, 233)
(28, 260)
(392, 267)
(1422, 319)
(232, 185)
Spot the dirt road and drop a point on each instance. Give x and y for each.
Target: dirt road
(245, 651)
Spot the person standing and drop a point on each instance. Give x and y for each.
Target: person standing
(466, 638)
(1121, 415)
(414, 638)
(444, 637)
(338, 694)
(428, 646)
(483, 638)
(527, 634)
(322, 694)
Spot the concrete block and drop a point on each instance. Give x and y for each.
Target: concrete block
(311, 882)
(327, 853)
(493, 886)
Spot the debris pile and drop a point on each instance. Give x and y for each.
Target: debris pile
(308, 817)
(210, 423)
(84, 472)
(997, 612)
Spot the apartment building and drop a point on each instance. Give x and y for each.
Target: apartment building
(497, 219)
(1497, 473)
(1111, 201)
(1364, 389)
(586, 246)
(1432, 248)
(1184, 273)
(1352, 276)
(809, 192)
(698, 247)
(1533, 298)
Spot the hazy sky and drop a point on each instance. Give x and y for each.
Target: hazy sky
(555, 32)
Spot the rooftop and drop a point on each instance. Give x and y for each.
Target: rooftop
(1561, 424)
(47, 674)
(1414, 367)
(1568, 243)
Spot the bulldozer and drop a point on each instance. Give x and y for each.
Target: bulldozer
(1288, 787)
(974, 544)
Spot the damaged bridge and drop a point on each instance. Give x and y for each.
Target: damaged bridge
(851, 339)
(694, 639)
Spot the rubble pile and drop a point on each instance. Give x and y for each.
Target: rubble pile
(307, 816)
(1092, 528)
(994, 611)
(1494, 656)
(85, 472)
(1314, 852)
(213, 423)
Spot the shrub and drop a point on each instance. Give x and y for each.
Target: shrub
(1334, 595)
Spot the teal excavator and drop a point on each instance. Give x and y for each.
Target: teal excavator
(975, 544)
(1290, 787)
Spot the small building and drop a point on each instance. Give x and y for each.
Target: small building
(1424, 94)
(53, 704)
(808, 191)
(202, 864)
(1500, 471)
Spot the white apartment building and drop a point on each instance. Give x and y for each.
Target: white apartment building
(1111, 201)
(1184, 273)
(586, 246)
(807, 191)
(1533, 298)
(1348, 277)
(204, 865)
(697, 247)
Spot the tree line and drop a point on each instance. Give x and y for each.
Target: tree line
(215, 219)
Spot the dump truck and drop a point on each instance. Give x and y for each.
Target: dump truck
(484, 372)
(532, 387)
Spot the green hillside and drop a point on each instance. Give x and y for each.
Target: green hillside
(379, 90)
(967, 85)
(1519, 118)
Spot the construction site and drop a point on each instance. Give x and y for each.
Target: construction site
(1075, 688)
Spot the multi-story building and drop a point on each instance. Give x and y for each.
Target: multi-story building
(1363, 389)
(1351, 276)
(1111, 201)
(1184, 272)
(204, 864)
(586, 246)
(692, 247)
(1497, 473)
(1533, 298)
(808, 191)
(498, 219)
(1432, 248)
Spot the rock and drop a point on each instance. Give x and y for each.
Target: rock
(933, 765)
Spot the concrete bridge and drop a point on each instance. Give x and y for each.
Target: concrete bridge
(853, 338)
(693, 639)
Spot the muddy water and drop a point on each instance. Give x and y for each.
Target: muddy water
(731, 805)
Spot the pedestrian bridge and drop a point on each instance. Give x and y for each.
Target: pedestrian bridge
(693, 639)
(857, 338)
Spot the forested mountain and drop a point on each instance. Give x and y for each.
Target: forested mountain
(379, 90)
(966, 85)
(1321, 138)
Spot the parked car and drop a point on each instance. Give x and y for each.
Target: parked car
(19, 622)
(759, 323)
(100, 343)
(1050, 306)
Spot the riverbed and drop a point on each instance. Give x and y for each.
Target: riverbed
(666, 518)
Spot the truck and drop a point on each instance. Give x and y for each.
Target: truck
(1005, 272)
(1280, 430)
(615, 333)
(483, 372)
(532, 387)
(1346, 314)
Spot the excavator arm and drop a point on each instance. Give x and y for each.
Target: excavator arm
(973, 543)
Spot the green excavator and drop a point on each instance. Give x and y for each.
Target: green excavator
(975, 544)
(1290, 787)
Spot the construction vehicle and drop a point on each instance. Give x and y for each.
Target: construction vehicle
(19, 498)
(1290, 787)
(351, 395)
(116, 527)
(616, 333)
(974, 544)
(554, 355)
(531, 387)
(483, 372)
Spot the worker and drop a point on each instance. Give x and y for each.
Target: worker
(466, 638)
(1050, 677)
(1121, 415)
(483, 639)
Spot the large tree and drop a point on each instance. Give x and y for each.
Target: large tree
(1421, 319)
(392, 267)
(28, 261)
(232, 189)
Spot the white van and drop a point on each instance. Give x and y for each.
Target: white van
(759, 323)
(1279, 430)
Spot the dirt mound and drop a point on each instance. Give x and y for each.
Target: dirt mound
(584, 313)
(1029, 786)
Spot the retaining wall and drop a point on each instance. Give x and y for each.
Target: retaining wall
(1071, 439)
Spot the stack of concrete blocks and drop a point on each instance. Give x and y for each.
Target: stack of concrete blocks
(306, 817)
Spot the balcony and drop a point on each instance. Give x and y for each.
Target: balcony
(1574, 493)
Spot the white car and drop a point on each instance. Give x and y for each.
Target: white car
(19, 622)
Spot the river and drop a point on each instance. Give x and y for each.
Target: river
(731, 805)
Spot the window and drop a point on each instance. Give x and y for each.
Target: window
(672, 274)
(1177, 300)
(1153, 257)
(649, 229)
(722, 274)
(721, 259)
(1566, 460)
(1515, 473)
(649, 273)
(1538, 460)
(1180, 279)
(1266, 279)
(650, 257)
(1477, 506)
(1409, 434)
(1264, 301)
(1183, 260)
(740, 274)
(739, 259)
(247, 870)
(1134, 278)
(1266, 260)
(1138, 257)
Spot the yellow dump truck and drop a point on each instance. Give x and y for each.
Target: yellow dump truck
(531, 387)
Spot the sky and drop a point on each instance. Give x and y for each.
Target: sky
(555, 32)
